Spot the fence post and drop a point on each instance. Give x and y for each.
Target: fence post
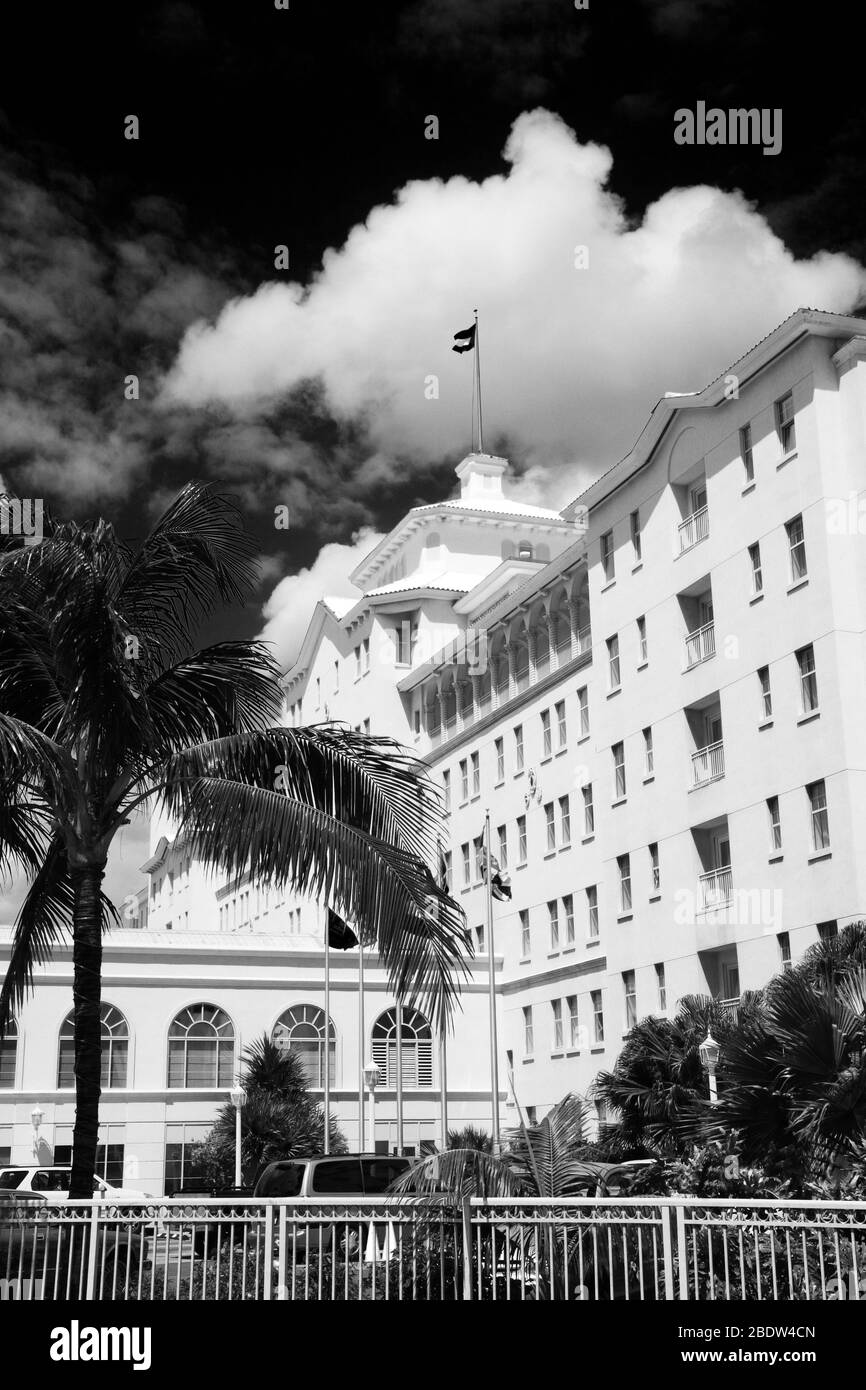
(682, 1250)
(282, 1255)
(269, 1250)
(466, 1214)
(668, 1251)
(93, 1228)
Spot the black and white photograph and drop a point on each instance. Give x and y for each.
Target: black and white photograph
(432, 671)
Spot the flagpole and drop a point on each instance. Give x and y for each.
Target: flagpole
(478, 385)
(362, 1119)
(491, 990)
(327, 1035)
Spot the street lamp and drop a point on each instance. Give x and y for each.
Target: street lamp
(372, 1073)
(238, 1098)
(36, 1121)
(709, 1051)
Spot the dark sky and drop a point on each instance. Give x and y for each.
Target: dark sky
(261, 126)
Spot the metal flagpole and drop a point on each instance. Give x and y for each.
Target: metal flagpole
(491, 989)
(478, 385)
(399, 1016)
(362, 1119)
(327, 1035)
(443, 1087)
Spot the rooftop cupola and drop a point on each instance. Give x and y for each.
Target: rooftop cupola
(480, 477)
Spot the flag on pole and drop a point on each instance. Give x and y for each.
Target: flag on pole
(340, 936)
(500, 882)
(465, 340)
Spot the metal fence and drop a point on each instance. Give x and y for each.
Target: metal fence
(576, 1249)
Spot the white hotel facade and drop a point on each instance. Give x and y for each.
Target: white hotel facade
(657, 693)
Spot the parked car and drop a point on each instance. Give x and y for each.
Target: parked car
(53, 1180)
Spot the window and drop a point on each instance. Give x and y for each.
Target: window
(365, 653)
(446, 787)
(183, 1157)
(797, 548)
(755, 562)
(499, 748)
(478, 843)
(336, 677)
(464, 780)
(301, 1030)
(648, 763)
(746, 454)
(518, 748)
(655, 873)
(357, 652)
(592, 910)
(641, 640)
(817, 794)
(775, 823)
(613, 662)
(623, 862)
(502, 836)
(551, 827)
(403, 638)
(588, 811)
(785, 424)
(201, 1048)
(546, 740)
(573, 1021)
(561, 732)
(766, 695)
(318, 692)
(8, 1057)
(597, 1015)
(553, 915)
(583, 706)
(568, 909)
(528, 1031)
(618, 754)
(449, 880)
(784, 941)
(467, 871)
(556, 1010)
(607, 556)
(635, 538)
(630, 992)
(476, 775)
(827, 931)
(521, 839)
(416, 1059)
(525, 941)
(114, 1032)
(479, 939)
(564, 821)
(661, 987)
(808, 679)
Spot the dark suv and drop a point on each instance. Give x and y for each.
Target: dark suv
(355, 1176)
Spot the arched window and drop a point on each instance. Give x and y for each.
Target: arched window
(9, 1057)
(201, 1048)
(301, 1029)
(114, 1031)
(417, 1061)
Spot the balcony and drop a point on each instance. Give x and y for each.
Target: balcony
(715, 890)
(708, 764)
(693, 529)
(700, 645)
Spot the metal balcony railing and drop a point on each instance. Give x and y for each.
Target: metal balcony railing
(715, 889)
(708, 764)
(700, 645)
(693, 529)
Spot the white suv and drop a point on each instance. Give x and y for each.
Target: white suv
(52, 1181)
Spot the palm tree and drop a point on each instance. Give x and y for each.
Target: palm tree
(657, 1086)
(279, 1119)
(106, 706)
(470, 1137)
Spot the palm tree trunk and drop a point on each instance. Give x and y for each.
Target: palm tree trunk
(86, 994)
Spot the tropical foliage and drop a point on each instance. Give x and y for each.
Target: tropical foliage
(106, 707)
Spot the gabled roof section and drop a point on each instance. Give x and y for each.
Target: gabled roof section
(801, 324)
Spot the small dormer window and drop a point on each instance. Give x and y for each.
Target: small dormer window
(524, 551)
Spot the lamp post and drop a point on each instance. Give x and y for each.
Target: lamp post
(372, 1072)
(238, 1098)
(36, 1121)
(709, 1051)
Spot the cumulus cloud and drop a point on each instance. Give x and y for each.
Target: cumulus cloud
(573, 358)
(288, 610)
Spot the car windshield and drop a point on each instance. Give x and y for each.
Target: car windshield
(379, 1173)
(283, 1180)
(12, 1177)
